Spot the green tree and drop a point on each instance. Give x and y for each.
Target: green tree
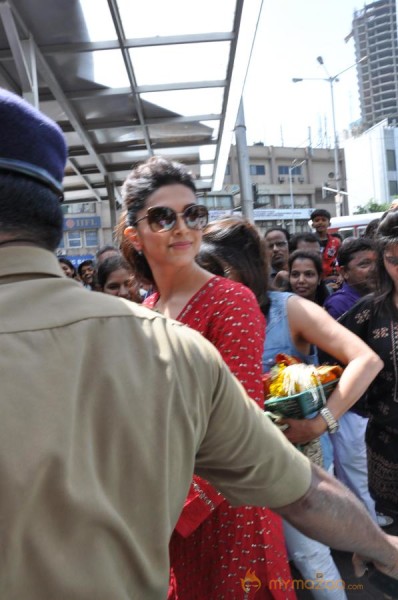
(372, 207)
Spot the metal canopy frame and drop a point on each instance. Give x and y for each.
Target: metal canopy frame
(47, 56)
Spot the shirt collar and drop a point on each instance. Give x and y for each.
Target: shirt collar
(26, 261)
(346, 286)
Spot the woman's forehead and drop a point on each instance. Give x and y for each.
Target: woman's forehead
(305, 263)
(174, 193)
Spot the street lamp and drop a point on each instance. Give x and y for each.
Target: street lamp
(332, 79)
(293, 166)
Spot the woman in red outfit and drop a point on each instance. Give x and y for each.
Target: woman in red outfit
(216, 551)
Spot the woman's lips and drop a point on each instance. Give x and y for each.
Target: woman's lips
(181, 245)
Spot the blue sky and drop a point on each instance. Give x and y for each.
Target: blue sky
(291, 34)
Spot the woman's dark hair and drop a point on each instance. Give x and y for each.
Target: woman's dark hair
(30, 211)
(108, 266)
(234, 243)
(386, 236)
(371, 229)
(143, 181)
(66, 261)
(322, 291)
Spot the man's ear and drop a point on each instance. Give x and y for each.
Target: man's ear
(343, 272)
(131, 234)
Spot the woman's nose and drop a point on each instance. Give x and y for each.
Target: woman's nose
(180, 223)
(124, 291)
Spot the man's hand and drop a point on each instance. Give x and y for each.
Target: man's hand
(302, 431)
(388, 567)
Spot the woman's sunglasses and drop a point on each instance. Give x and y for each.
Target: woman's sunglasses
(392, 260)
(163, 218)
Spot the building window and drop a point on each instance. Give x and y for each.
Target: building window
(74, 239)
(393, 188)
(91, 236)
(391, 161)
(217, 202)
(257, 169)
(79, 208)
(301, 201)
(263, 201)
(284, 202)
(284, 170)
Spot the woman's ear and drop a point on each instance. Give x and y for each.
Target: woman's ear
(131, 234)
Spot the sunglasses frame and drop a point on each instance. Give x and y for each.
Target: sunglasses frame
(176, 214)
(392, 260)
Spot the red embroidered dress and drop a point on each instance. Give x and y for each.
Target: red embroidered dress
(216, 551)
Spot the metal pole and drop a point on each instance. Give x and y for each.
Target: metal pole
(332, 80)
(292, 199)
(246, 190)
(112, 201)
(336, 151)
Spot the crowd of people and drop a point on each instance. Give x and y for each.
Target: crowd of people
(252, 298)
(136, 456)
(360, 270)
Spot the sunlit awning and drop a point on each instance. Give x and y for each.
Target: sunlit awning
(127, 79)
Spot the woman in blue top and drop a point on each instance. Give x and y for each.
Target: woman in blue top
(233, 248)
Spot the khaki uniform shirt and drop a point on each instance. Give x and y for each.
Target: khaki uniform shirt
(106, 408)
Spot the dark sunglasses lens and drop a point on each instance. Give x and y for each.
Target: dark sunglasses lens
(196, 217)
(161, 218)
(393, 260)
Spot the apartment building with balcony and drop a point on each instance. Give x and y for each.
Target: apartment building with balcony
(286, 179)
(374, 30)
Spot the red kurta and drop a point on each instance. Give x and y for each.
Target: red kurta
(216, 551)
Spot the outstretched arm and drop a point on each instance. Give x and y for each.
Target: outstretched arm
(331, 514)
(311, 323)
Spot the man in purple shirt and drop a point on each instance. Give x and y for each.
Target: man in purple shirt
(356, 259)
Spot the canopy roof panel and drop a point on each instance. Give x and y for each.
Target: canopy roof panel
(127, 79)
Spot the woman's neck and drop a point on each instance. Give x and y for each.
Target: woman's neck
(177, 287)
(312, 298)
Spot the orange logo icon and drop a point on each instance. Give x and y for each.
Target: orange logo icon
(250, 582)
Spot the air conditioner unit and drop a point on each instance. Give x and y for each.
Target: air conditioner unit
(281, 179)
(301, 179)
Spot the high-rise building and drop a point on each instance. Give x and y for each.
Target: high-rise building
(374, 29)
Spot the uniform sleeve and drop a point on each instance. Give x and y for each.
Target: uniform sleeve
(245, 456)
